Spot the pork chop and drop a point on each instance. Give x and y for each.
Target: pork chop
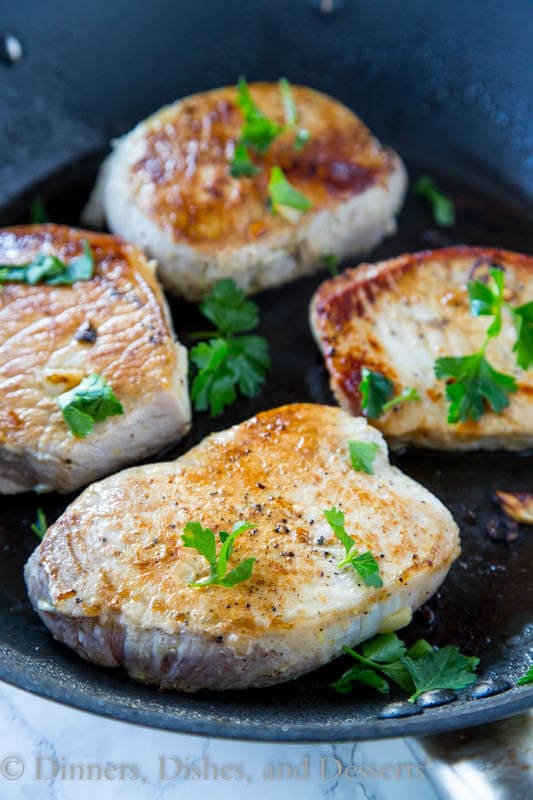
(398, 316)
(167, 188)
(112, 576)
(115, 325)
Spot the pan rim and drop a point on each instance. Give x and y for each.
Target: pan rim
(431, 721)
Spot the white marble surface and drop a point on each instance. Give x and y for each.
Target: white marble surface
(39, 738)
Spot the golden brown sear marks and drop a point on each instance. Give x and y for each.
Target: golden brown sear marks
(277, 471)
(398, 316)
(182, 180)
(119, 548)
(120, 306)
(51, 337)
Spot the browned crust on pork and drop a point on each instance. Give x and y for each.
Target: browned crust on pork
(352, 295)
(122, 303)
(184, 154)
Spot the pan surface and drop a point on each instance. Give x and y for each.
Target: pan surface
(485, 604)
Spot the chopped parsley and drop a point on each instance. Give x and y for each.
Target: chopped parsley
(442, 207)
(472, 382)
(283, 195)
(259, 131)
(526, 678)
(90, 402)
(331, 262)
(364, 563)
(523, 347)
(38, 213)
(204, 541)
(228, 363)
(377, 394)
(291, 114)
(416, 670)
(40, 526)
(50, 269)
(362, 455)
(242, 164)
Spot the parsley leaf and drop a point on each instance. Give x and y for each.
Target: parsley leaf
(476, 382)
(242, 164)
(526, 678)
(227, 362)
(228, 308)
(405, 396)
(212, 387)
(203, 540)
(362, 455)
(384, 653)
(377, 394)
(89, 402)
(384, 648)
(40, 526)
(50, 269)
(416, 670)
(442, 207)
(331, 262)
(258, 130)
(446, 668)
(488, 302)
(523, 320)
(376, 389)
(291, 114)
(364, 564)
(38, 214)
(283, 195)
(359, 675)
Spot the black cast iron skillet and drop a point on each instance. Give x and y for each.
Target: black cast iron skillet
(449, 86)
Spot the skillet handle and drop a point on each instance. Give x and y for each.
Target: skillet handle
(493, 762)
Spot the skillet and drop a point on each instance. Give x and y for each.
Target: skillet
(447, 85)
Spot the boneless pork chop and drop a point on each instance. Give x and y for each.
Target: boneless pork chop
(111, 578)
(397, 317)
(167, 187)
(115, 325)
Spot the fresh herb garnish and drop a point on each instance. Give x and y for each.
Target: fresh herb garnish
(377, 394)
(291, 114)
(50, 269)
(364, 563)
(259, 131)
(40, 526)
(38, 213)
(242, 164)
(446, 668)
(523, 347)
(442, 207)
(331, 262)
(228, 362)
(527, 678)
(284, 196)
(203, 540)
(362, 455)
(416, 670)
(89, 402)
(474, 381)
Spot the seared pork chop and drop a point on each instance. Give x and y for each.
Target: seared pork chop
(112, 577)
(397, 317)
(115, 325)
(167, 187)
